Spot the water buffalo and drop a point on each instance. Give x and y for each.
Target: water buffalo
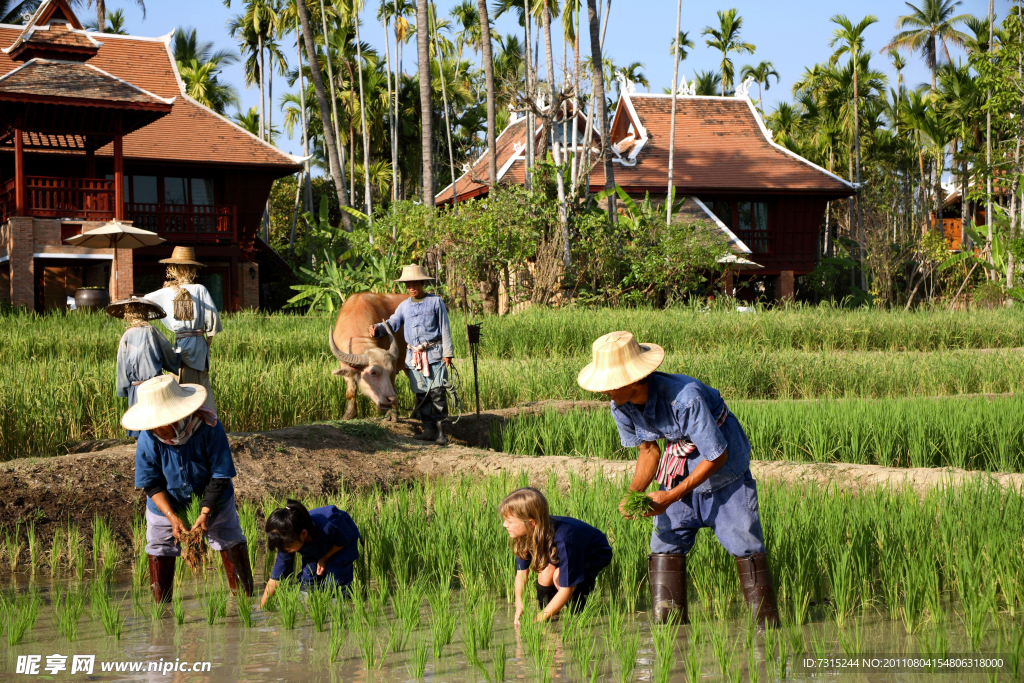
(367, 363)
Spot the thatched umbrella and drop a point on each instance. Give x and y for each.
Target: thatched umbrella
(115, 235)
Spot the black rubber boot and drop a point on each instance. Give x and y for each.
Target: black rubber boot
(756, 582)
(668, 588)
(545, 594)
(419, 401)
(438, 400)
(442, 439)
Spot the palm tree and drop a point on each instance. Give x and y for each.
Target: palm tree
(250, 121)
(101, 10)
(199, 65)
(726, 39)
(932, 25)
(485, 49)
(115, 25)
(598, 95)
(356, 8)
(760, 73)
(684, 42)
(678, 48)
(707, 82)
(325, 112)
(12, 11)
(426, 109)
(850, 39)
(632, 72)
(254, 30)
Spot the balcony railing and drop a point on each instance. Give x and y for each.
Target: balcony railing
(185, 221)
(92, 199)
(759, 241)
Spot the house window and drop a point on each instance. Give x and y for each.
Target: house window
(749, 220)
(144, 190)
(195, 191)
(175, 191)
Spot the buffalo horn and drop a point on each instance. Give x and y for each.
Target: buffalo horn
(356, 361)
(394, 343)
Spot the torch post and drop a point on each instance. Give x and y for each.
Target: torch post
(473, 336)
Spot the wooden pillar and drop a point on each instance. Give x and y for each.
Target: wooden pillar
(118, 177)
(730, 289)
(19, 174)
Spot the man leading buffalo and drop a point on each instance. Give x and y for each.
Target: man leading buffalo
(703, 476)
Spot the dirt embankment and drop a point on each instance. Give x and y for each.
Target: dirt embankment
(315, 460)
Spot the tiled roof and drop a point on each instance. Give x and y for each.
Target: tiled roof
(474, 182)
(60, 34)
(720, 147)
(77, 80)
(191, 132)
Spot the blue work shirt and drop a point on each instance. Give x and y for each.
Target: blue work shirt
(581, 551)
(334, 527)
(184, 470)
(425, 321)
(680, 407)
(142, 354)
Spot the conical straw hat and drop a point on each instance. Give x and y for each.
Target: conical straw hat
(162, 401)
(153, 310)
(414, 273)
(618, 360)
(183, 256)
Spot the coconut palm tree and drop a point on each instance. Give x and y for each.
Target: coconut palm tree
(683, 39)
(850, 39)
(930, 27)
(115, 24)
(426, 108)
(255, 29)
(632, 72)
(707, 82)
(598, 89)
(250, 121)
(101, 10)
(760, 73)
(485, 57)
(726, 38)
(199, 65)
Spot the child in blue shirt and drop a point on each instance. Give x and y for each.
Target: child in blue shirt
(327, 538)
(566, 554)
(429, 352)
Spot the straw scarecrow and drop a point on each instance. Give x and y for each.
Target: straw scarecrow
(703, 476)
(182, 452)
(143, 353)
(429, 351)
(193, 318)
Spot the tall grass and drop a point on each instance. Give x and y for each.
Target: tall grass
(974, 433)
(275, 371)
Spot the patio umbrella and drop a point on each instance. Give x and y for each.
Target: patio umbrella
(734, 262)
(115, 235)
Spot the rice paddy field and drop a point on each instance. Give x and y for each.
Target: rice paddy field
(884, 574)
(273, 371)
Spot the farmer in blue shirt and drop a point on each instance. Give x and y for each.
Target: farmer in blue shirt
(326, 537)
(429, 353)
(182, 452)
(703, 475)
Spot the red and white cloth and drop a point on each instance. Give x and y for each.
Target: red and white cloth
(419, 358)
(673, 460)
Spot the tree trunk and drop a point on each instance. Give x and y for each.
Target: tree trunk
(447, 121)
(391, 113)
(101, 16)
(259, 43)
(861, 238)
(530, 137)
(574, 173)
(325, 114)
(345, 218)
(426, 109)
(305, 125)
(669, 194)
(399, 45)
(485, 57)
(602, 119)
(362, 118)
(549, 56)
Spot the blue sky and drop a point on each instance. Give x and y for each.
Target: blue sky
(792, 34)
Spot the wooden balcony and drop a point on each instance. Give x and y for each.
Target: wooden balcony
(93, 199)
(759, 241)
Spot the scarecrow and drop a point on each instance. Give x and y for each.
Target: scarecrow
(703, 476)
(193, 318)
(143, 352)
(182, 452)
(429, 352)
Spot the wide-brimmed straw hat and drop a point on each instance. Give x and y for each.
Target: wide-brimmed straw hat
(183, 256)
(414, 273)
(618, 360)
(162, 401)
(151, 309)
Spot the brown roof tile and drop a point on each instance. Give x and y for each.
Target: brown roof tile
(76, 80)
(60, 34)
(190, 133)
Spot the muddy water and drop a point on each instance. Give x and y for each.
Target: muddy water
(267, 652)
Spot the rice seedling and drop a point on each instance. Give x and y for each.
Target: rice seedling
(178, 605)
(637, 504)
(12, 547)
(111, 618)
(21, 615)
(499, 657)
(245, 603)
(753, 669)
(99, 593)
(665, 650)
(101, 540)
(692, 665)
(418, 662)
(213, 601)
(68, 606)
(721, 648)
(442, 620)
(139, 533)
(34, 554)
(851, 639)
(318, 605)
(627, 648)
(56, 550)
(287, 595)
(76, 552)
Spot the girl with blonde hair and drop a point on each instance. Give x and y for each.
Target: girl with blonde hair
(565, 553)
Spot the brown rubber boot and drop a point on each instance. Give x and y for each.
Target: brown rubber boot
(756, 582)
(238, 569)
(161, 577)
(668, 588)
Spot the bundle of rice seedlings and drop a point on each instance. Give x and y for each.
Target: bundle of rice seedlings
(637, 504)
(193, 548)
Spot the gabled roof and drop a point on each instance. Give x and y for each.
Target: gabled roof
(721, 146)
(190, 133)
(47, 78)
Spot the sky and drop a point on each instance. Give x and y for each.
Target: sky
(792, 34)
